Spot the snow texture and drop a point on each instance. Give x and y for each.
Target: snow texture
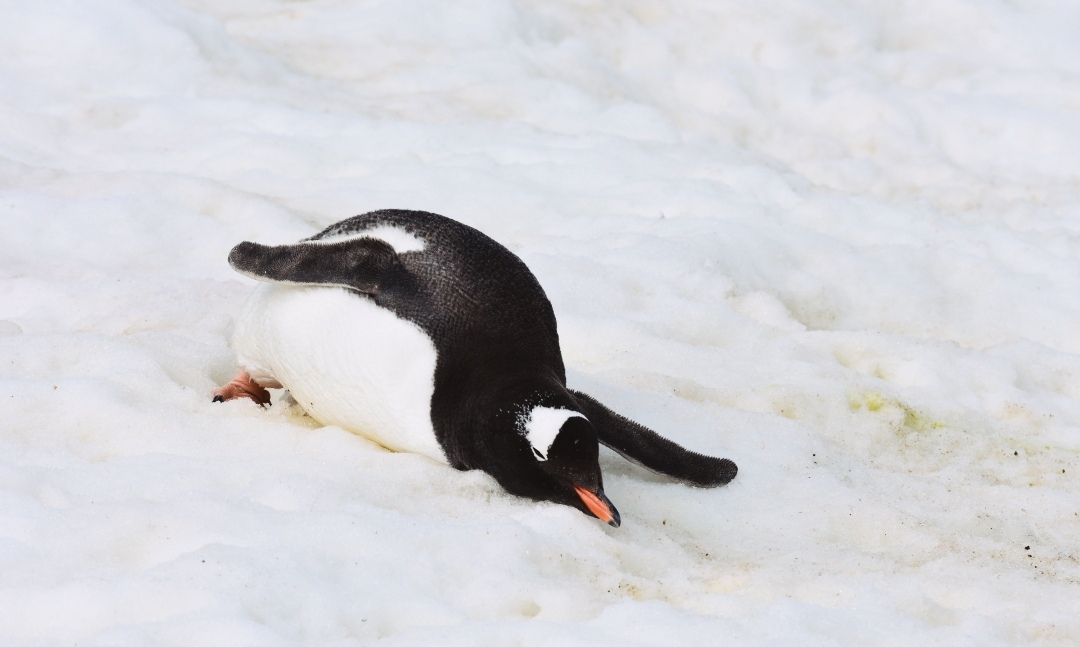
(836, 241)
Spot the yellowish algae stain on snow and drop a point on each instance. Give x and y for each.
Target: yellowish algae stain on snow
(733, 577)
(874, 402)
(1013, 448)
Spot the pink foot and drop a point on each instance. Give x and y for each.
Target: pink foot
(242, 386)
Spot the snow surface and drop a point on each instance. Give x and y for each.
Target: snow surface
(837, 241)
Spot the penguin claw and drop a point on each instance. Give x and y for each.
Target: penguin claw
(242, 386)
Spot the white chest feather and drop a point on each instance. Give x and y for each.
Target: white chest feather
(345, 360)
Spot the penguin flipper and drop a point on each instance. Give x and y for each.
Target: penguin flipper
(651, 450)
(359, 264)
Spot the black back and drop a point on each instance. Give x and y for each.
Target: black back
(466, 291)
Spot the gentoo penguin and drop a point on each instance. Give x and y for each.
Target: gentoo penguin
(424, 335)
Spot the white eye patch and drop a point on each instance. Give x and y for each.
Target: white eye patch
(542, 427)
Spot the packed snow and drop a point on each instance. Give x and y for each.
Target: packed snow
(835, 241)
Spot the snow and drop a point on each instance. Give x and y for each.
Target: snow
(836, 241)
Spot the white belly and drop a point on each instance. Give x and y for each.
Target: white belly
(345, 360)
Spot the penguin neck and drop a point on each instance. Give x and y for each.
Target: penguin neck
(538, 392)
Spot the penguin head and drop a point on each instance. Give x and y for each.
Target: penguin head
(565, 451)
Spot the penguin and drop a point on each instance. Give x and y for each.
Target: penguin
(427, 336)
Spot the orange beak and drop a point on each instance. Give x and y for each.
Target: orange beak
(599, 505)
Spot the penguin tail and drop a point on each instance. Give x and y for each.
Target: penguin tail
(651, 450)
